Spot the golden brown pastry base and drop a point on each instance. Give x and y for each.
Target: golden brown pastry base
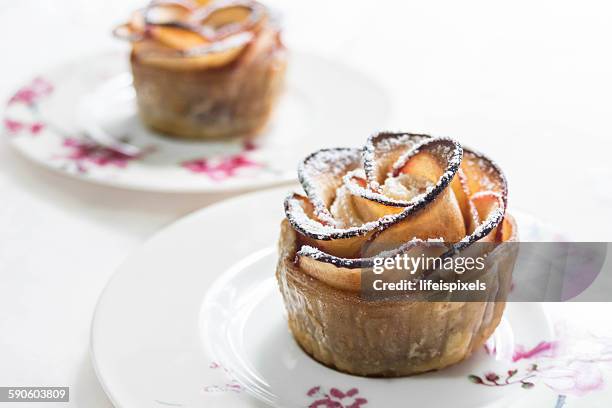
(203, 103)
(385, 338)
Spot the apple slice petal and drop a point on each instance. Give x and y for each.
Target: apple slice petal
(382, 150)
(230, 45)
(126, 32)
(461, 192)
(483, 174)
(134, 29)
(436, 160)
(344, 210)
(344, 242)
(346, 246)
(328, 269)
(345, 273)
(176, 37)
(186, 4)
(212, 55)
(224, 18)
(441, 219)
(321, 175)
(509, 231)
(491, 210)
(169, 13)
(486, 203)
(369, 209)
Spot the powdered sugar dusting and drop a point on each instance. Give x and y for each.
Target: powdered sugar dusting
(405, 187)
(382, 149)
(437, 148)
(493, 220)
(343, 209)
(351, 263)
(321, 174)
(332, 178)
(314, 229)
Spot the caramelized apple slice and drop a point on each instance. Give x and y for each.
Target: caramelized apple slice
(224, 18)
(126, 32)
(210, 56)
(343, 242)
(461, 192)
(346, 246)
(321, 175)
(431, 161)
(345, 274)
(509, 233)
(312, 262)
(433, 215)
(491, 210)
(137, 21)
(424, 165)
(232, 14)
(382, 150)
(322, 267)
(440, 219)
(482, 174)
(487, 203)
(344, 210)
(371, 208)
(170, 13)
(177, 38)
(134, 29)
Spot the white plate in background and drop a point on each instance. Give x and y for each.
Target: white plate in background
(325, 104)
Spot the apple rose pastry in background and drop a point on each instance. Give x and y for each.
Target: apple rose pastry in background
(401, 191)
(205, 70)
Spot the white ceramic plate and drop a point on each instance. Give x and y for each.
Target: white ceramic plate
(325, 104)
(194, 319)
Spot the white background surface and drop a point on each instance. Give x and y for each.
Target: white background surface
(527, 82)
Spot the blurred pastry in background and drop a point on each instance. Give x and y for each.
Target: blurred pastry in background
(205, 70)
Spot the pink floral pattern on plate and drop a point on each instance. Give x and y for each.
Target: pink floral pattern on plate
(570, 365)
(31, 93)
(230, 385)
(29, 96)
(542, 349)
(320, 398)
(335, 398)
(14, 127)
(79, 154)
(220, 169)
(224, 167)
(83, 153)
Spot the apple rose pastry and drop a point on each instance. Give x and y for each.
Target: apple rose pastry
(400, 193)
(205, 70)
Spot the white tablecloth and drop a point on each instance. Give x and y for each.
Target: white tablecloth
(527, 82)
